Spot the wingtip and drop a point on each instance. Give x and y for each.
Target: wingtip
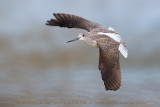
(112, 89)
(54, 14)
(109, 87)
(47, 23)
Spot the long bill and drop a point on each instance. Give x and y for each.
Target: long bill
(73, 40)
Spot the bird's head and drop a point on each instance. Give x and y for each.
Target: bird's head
(81, 36)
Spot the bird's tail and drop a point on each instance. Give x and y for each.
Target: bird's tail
(122, 48)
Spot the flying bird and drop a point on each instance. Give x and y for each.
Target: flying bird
(108, 41)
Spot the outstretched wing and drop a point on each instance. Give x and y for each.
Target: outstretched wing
(72, 21)
(109, 64)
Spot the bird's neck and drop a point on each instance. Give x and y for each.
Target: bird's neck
(91, 43)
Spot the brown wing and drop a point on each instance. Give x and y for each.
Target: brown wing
(109, 64)
(72, 21)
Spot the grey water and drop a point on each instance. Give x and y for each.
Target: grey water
(77, 87)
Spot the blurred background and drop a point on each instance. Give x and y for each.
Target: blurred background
(36, 63)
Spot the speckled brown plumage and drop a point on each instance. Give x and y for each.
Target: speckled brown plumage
(108, 48)
(109, 63)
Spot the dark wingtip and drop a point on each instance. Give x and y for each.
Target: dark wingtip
(111, 88)
(47, 23)
(54, 14)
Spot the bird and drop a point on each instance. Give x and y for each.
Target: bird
(107, 40)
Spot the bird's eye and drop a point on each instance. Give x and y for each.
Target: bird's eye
(83, 35)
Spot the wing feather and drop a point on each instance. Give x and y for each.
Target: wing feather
(109, 64)
(72, 21)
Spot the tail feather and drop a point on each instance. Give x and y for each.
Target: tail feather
(122, 48)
